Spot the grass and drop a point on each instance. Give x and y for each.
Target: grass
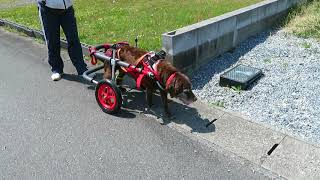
(7, 1)
(218, 103)
(237, 89)
(304, 21)
(306, 45)
(118, 20)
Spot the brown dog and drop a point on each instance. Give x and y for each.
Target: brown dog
(179, 85)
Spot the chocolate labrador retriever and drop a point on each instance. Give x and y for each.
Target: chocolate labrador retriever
(170, 80)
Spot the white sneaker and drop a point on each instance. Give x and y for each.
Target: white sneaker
(56, 76)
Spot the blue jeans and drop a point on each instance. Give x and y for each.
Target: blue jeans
(52, 20)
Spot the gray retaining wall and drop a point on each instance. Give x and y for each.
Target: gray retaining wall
(191, 46)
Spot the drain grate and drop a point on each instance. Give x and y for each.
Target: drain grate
(240, 76)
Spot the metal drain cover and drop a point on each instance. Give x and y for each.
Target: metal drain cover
(240, 76)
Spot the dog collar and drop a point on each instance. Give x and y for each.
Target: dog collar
(172, 76)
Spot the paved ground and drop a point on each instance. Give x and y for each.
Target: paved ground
(55, 130)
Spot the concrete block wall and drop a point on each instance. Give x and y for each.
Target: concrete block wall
(194, 45)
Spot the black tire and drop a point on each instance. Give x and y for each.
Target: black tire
(108, 96)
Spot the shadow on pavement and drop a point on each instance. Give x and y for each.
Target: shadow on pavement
(75, 78)
(134, 102)
(182, 114)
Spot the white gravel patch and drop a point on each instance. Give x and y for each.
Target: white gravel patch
(286, 98)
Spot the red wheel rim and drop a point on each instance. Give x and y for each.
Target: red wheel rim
(107, 96)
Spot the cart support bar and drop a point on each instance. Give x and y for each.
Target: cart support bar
(104, 58)
(90, 71)
(101, 56)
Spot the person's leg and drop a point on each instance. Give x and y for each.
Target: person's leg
(51, 28)
(69, 26)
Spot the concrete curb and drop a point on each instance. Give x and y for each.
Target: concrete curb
(237, 136)
(38, 34)
(194, 45)
(259, 144)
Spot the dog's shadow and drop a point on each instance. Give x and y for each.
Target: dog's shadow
(183, 115)
(134, 101)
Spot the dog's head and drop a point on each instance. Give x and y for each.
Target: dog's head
(180, 88)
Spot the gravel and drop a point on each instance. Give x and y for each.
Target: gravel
(287, 98)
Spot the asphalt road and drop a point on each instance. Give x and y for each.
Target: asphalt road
(55, 130)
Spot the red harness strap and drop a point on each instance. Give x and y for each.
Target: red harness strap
(169, 80)
(141, 76)
(92, 50)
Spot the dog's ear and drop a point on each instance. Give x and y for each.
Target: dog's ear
(185, 78)
(178, 85)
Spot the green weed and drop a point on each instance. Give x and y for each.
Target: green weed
(267, 61)
(237, 89)
(218, 103)
(306, 45)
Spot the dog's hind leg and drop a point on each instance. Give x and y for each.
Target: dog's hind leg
(119, 80)
(107, 71)
(120, 77)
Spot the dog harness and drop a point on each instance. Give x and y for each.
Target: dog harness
(147, 62)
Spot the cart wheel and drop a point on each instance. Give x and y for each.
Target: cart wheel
(108, 97)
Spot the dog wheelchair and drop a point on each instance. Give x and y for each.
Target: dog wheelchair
(107, 93)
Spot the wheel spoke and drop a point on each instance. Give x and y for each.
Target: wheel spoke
(112, 100)
(106, 90)
(105, 95)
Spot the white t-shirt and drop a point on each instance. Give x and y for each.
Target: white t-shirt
(57, 4)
